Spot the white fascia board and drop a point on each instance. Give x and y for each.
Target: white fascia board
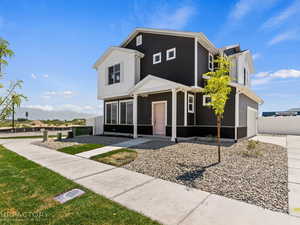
(203, 40)
(111, 49)
(244, 90)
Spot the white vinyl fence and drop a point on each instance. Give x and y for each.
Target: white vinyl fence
(279, 125)
(96, 123)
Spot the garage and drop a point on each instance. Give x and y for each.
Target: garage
(251, 122)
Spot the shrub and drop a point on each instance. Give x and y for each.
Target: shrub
(252, 149)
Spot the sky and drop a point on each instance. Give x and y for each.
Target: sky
(56, 43)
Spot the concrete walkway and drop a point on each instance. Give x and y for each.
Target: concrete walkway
(292, 143)
(125, 144)
(166, 202)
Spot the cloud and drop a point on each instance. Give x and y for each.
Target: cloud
(65, 107)
(285, 36)
(245, 7)
(35, 76)
(162, 18)
(265, 77)
(256, 56)
(287, 13)
(65, 94)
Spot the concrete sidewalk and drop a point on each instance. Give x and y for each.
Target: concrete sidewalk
(166, 202)
(118, 146)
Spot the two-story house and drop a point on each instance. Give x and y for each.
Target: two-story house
(152, 85)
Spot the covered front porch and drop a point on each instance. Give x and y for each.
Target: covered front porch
(160, 106)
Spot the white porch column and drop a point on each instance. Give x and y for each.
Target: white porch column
(135, 102)
(174, 114)
(185, 108)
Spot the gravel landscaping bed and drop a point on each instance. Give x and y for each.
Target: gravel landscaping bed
(260, 179)
(105, 140)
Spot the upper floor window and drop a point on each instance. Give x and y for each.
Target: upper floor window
(157, 58)
(206, 100)
(191, 103)
(114, 73)
(111, 112)
(126, 112)
(139, 40)
(171, 53)
(210, 62)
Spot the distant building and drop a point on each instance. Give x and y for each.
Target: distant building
(290, 112)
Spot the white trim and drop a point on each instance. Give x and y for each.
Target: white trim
(193, 103)
(139, 40)
(166, 111)
(112, 102)
(111, 49)
(153, 57)
(237, 113)
(204, 100)
(135, 103)
(171, 50)
(196, 61)
(174, 115)
(203, 40)
(121, 101)
(185, 108)
(209, 62)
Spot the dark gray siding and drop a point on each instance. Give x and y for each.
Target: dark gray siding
(244, 102)
(145, 107)
(202, 63)
(180, 108)
(180, 70)
(206, 116)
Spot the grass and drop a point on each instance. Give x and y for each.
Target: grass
(116, 158)
(24, 137)
(27, 192)
(75, 149)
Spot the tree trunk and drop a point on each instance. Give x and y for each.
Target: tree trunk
(13, 117)
(219, 137)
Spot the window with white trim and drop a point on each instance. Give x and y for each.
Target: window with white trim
(206, 100)
(139, 40)
(191, 103)
(171, 54)
(210, 62)
(126, 112)
(157, 58)
(111, 112)
(114, 74)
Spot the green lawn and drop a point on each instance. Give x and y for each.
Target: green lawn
(24, 137)
(117, 157)
(75, 149)
(26, 196)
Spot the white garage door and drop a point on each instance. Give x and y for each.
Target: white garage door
(251, 122)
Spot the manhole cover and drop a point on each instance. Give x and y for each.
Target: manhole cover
(62, 198)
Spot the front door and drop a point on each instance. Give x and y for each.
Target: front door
(159, 118)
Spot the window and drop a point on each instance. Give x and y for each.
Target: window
(171, 54)
(139, 40)
(157, 58)
(111, 112)
(206, 100)
(126, 112)
(191, 103)
(114, 73)
(210, 62)
(245, 76)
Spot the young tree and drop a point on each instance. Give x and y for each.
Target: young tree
(218, 89)
(11, 98)
(5, 52)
